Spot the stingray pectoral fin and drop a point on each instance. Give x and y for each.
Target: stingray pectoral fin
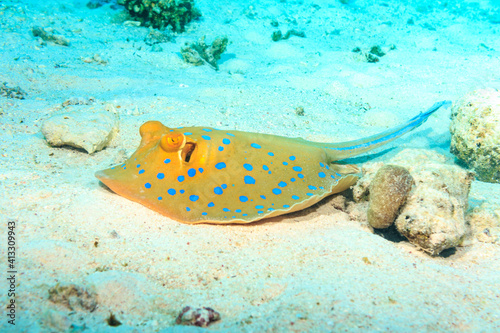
(343, 150)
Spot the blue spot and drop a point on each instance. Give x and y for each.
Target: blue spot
(226, 209)
(300, 175)
(224, 186)
(285, 163)
(171, 191)
(297, 168)
(249, 180)
(270, 154)
(292, 158)
(247, 166)
(238, 211)
(270, 209)
(292, 179)
(147, 185)
(200, 170)
(204, 213)
(327, 167)
(181, 191)
(191, 172)
(265, 167)
(338, 174)
(218, 190)
(243, 198)
(124, 168)
(263, 197)
(167, 161)
(260, 211)
(321, 174)
(188, 133)
(141, 171)
(312, 187)
(230, 134)
(245, 215)
(286, 206)
(180, 179)
(160, 176)
(207, 130)
(256, 146)
(159, 198)
(321, 187)
(259, 207)
(282, 184)
(332, 176)
(220, 165)
(206, 137)
(309, 194)
(295, 197)
(211, 204)
(138, 165)
(226, 141)
(193, 198)
(276, 191)
(321, 164)
(188, 209)
(221, 148)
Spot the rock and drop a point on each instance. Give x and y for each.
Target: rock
(89, 131)
(475, 130)
(433, 217)
(388, 192)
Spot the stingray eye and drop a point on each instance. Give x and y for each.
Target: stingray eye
(150, 127)
(173, 142)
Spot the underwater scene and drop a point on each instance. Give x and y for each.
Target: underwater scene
(250, 166)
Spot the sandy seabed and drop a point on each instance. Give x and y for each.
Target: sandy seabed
(314, 270)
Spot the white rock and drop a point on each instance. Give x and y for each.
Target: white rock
(433, 217)
(86, 130)
(475, 132)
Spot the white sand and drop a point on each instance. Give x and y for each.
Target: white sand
(310, 271)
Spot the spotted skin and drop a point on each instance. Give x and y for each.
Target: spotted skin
(205, 175)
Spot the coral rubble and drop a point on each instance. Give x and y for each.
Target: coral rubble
(201, 317)
(475, 133)
(199, 53)
(73, 297)
(49, 35)
(15, 92)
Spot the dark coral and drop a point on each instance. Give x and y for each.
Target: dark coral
(161, 14)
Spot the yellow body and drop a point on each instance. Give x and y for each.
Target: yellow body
(215, 176)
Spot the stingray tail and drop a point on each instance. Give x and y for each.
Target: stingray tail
(340, 151)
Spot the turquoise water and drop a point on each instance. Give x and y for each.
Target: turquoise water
(324, 71)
